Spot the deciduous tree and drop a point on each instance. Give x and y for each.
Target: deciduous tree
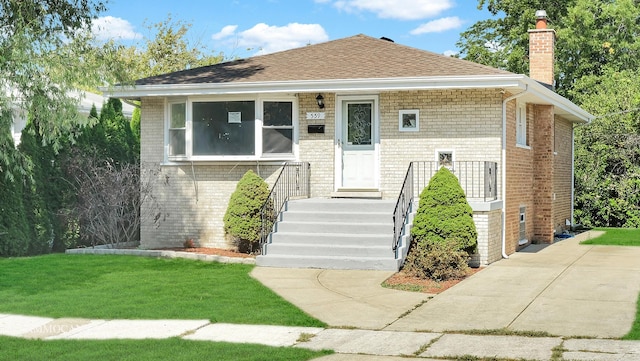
(46, 56)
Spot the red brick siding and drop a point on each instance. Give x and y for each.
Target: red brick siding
(520, 181)
(562, 173)
(543, 178)
(541, 55)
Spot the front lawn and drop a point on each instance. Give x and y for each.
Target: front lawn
(616, 237)
(16, 349)
(128, 287)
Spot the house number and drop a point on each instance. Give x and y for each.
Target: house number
(315, 115)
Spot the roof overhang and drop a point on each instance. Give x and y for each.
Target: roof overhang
(513, 83)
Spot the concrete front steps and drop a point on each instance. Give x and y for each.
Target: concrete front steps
(332, 234)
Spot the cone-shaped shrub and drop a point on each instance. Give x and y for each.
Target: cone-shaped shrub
(444, 215)
(242, 219)
(443, 227)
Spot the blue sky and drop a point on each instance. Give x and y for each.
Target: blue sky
(240, 28)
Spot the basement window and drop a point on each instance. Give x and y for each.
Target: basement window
(523, 226)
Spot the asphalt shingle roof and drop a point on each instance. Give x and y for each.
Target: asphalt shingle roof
(356, 57)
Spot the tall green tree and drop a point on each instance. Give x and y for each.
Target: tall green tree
(596, 37)
(47, 54)
(503, 41)
(167, 49)
(608, 150)
(119, 139)
(591, 35)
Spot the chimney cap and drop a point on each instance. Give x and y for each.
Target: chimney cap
(541, 14)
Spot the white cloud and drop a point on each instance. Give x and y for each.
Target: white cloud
(269, 39)
(225, 32)
(450, 53)
(109, 27)
(396, 9)
(438, 26)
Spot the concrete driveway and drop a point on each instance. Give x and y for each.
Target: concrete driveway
(565, 289)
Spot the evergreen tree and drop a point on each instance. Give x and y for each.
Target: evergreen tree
(443, 234)
(14, 228)
(242, 219)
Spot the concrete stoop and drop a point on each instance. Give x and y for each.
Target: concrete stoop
(333, 234)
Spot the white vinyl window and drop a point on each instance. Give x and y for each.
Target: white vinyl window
(521, 124)
(230, 129)
(177, 129)
(277, 127)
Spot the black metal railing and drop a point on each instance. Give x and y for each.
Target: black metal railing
(292, 182)
(478, 179)
(401, 212)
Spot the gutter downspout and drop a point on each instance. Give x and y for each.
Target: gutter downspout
(504, 169)
(573, 172)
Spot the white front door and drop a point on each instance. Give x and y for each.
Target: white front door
(357, 140)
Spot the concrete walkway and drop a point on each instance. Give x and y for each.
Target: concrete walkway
(565, 290)
(349, 344)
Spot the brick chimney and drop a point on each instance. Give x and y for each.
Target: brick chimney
(542, 50)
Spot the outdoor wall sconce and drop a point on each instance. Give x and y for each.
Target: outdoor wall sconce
(320, 100)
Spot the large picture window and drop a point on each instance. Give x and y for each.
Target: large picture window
(224, 128)
(230, 129)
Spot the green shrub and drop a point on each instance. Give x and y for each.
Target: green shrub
(444, 215)
(438, 261)
(15, 235)
(443, 233)
(242, 220)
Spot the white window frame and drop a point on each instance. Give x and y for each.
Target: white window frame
(453, 157)
(294, 126)
(167, 140)
(412, 112)
(521, 125)
(258, 126)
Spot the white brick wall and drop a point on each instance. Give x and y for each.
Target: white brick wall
(466, 121)
(195, 199)
(488, 225)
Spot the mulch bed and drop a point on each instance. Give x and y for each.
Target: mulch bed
(406, 282)
(212, 251)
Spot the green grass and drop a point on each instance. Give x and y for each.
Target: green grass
(142, 350)
(634, 334)
(127, 287)
(616, 237)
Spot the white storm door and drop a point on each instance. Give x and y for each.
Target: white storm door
(359, 158)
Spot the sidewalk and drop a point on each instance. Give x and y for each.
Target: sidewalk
(348, 344)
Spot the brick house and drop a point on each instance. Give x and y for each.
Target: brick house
(359, 110)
